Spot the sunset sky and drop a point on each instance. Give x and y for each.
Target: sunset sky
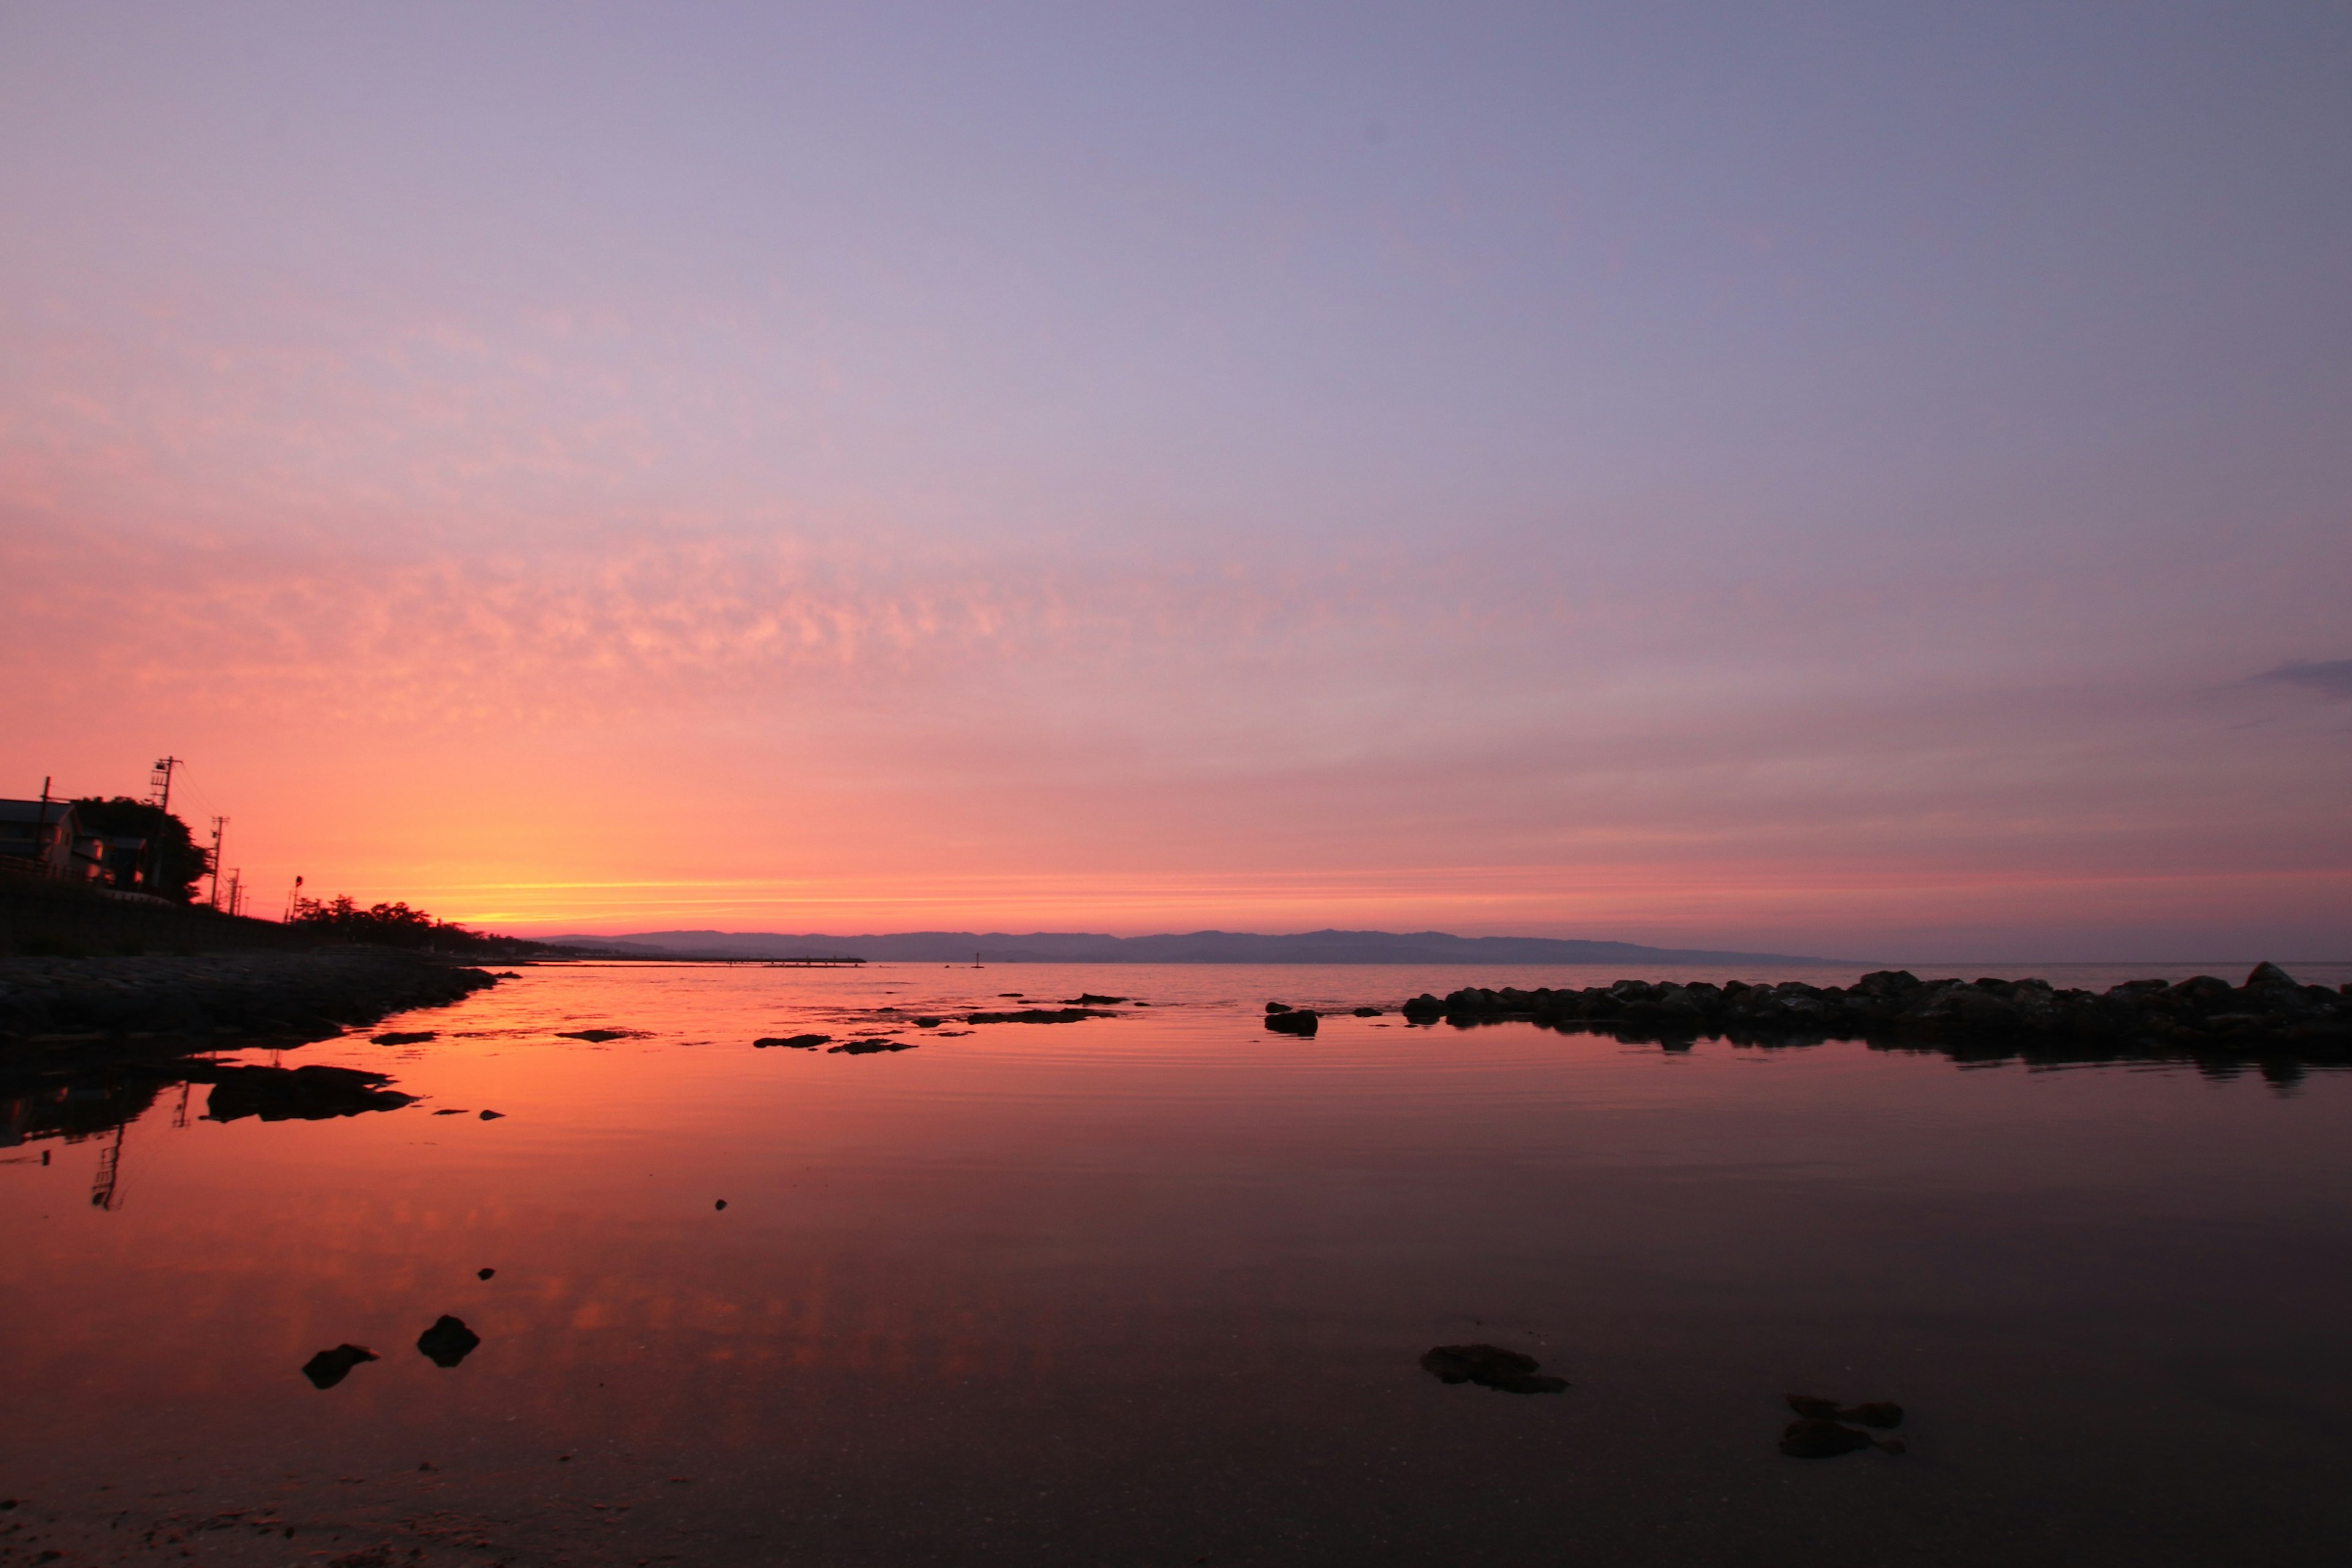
(1863, 480)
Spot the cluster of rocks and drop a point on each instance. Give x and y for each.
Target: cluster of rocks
(2270, 1015)
(283, 995)
(1039, 1016)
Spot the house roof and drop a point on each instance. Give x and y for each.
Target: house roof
(31, 811)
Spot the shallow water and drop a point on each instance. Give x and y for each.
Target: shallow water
(1153, 1289)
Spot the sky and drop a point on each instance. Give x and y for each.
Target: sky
(1845, 478)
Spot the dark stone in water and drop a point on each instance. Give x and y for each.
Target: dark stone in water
(1091, 1000)
(1490, 1367)
(484, 1273)
(1296, 1021)
(721, 1203)
(1878, 1413)
(1038, 1015)
(928, 1022)
(313, 1093)
(790, 1042)
(1812, 1437)
(598, 1037)
(447, 1341)
(493, 1115)
(1368, 1012)
(867, 1047)
(328, 1368)
(417, 1038)
(1278, 1006)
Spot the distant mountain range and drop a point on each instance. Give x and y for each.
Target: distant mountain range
(1192, 947)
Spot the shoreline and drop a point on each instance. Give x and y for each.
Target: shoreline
(203, 1002)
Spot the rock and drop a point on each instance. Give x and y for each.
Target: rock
(928, 1022)
(2268, 973)
(416, 1039)
(1038, 1015)
(1091, 1000)
(328, 1368)
(1368, 1012)
(1294, 1020)
(792, 1042)
(1807, 1404)
(867, 1047)
(493, 1115)
(1811, 1437)
(1490, 1367)
(1422, 1010)
(719, 1206)
(598, 1037)
(484, 1273)
(447, 1341)
(1278, 1006)
(295, 1094)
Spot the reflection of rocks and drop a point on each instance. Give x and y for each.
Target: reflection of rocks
(415, 1037)
(598, 1037)
(294, 1094)
(79, 1107)
(867, 1047)
(1820, 1431)
(1811, 1437)
(790, 1042)
(1490, 1367)
(2270, 1016)
(1291, 1021)
(1874, 1415)
(447, 1341)
(328, 1368)
(1038, 1015)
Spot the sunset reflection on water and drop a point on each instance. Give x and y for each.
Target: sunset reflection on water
(1154, 1286)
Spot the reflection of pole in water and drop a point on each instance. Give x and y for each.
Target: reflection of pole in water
(180, 1116)
(110, 1171)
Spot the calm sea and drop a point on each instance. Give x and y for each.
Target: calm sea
(1153, 1289)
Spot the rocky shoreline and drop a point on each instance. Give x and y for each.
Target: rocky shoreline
(48, 1005)
(2271, 1015)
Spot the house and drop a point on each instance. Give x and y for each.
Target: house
(44, 838)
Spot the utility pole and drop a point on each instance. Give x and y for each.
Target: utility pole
(160, 781)
(293, 903)
(218, 823)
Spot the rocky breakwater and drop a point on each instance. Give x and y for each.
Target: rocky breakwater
(55, 1003)
(2270, 1016)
